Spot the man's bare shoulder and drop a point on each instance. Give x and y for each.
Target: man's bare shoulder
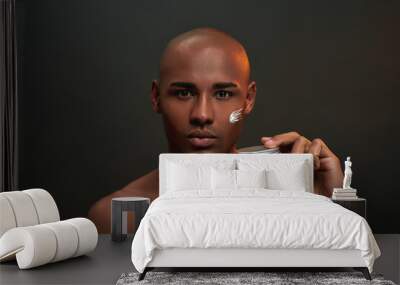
(144, 186)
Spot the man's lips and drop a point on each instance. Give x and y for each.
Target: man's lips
(202, 142)
(201, 138)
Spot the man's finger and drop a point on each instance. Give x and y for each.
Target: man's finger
(324, 150)
(301, 145)
(315, 150)
(280, 140)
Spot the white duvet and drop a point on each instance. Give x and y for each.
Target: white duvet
(250, 219)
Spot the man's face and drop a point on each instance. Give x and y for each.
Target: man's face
(197, 92)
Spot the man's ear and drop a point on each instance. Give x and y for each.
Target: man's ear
(250, 98)
(155, 96)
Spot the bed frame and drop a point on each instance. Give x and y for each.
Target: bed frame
(242, 259)
(246, 258)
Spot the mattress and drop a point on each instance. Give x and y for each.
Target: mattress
(250, 218)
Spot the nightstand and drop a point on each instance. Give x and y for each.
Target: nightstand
(119, 218)
(357, 205)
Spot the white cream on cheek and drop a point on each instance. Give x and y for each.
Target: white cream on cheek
(235, 116)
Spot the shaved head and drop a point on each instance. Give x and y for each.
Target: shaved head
(203, 40)
(204, 78)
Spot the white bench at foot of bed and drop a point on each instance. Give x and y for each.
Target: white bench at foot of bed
(237, 257)
(263, 258)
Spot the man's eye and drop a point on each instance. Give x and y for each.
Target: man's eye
(183, 93)
(223, 94)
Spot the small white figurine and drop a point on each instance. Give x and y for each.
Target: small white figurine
(347, 174)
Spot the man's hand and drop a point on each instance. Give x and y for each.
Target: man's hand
(327, 168)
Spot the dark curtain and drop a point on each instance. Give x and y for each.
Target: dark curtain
(8, 98)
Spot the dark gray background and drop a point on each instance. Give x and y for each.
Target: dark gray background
(327, 69)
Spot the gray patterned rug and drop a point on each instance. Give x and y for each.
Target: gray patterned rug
(229, 278)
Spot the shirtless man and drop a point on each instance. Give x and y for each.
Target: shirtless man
(204, 76)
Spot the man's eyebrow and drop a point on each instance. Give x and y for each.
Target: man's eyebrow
(183, 84)
(222, 85)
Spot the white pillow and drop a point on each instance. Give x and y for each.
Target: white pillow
(282, 174)
(287, 179)
(193, 174)
(251, 178)
(181, 178)
(235, 179)
(223, 179)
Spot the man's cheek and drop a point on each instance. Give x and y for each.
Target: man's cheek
(173, 126)
(176, 129)
(174, 116)
(171, 109)
(232, 134)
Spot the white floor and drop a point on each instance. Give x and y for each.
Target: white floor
(389, 262)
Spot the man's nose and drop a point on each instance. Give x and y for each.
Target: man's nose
(202, 112)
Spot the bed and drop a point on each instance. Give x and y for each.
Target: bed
(247, 210)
